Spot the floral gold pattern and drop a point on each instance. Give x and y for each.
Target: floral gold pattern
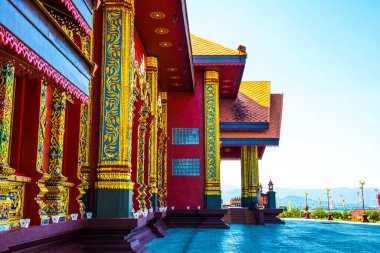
(144, 113)
(212, 149)
(116, 95)
(40, 151)
(152, 78)
(6, 110)
(16, 195)
(56, 192)
(41, 130)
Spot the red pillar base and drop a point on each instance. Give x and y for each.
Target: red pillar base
(329, 217)
(307, 215)
(364, 218)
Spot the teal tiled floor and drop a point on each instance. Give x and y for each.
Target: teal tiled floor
(294, 236)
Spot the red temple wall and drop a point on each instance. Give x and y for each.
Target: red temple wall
(139, 47)
(25, 138)
(70, 152)
(17, 123)
(186, 110)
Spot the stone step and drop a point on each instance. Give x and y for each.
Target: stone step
(239, 215)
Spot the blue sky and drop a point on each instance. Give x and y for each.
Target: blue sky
(324, 56)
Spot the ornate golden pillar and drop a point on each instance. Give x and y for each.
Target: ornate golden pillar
(152, 78)
(160, 167)
(249, 175)
(212, 140)
(114, 185)
(244, 176)
(164, 100)
(6, 111)
(144, 113)
(160, 155)
(40, 160)
(56, 196)
(83, 161)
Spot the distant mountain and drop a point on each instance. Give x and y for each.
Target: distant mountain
(316, 197)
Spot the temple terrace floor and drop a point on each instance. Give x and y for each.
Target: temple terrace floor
(294, 236)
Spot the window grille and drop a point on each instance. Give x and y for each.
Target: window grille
(185, 136)
(186, 167)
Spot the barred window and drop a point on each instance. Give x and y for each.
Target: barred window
(186, 167)
(185, 136)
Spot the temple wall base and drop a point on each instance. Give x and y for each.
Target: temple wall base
(120, 234)
(203, 218)
(153, 200)
(256, 216)
(213, 201)
(86, 235)
(249, 202)
(114, 203)
(270, 216)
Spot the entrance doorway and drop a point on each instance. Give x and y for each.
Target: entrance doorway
(230, 179)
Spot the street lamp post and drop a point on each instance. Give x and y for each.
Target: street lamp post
(328, 204)
(307, 215)
(358, 199)
(343, 202)
(364, 217)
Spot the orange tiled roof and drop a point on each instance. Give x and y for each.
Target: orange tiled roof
(274, 123)
(251, 104)
(202, 46)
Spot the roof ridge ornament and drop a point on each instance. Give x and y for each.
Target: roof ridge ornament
(243, 50)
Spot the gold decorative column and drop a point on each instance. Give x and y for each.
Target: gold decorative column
(244, 176)
(212, 140)
(55, 198)
(84, 153)
(160, 155)
(6, 111)
(160, 167)
(114, 185)
(40, 160)
(152, 78)
(144, 113)
(164, 100)
(249, 175)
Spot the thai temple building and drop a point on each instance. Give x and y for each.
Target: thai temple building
(112, 110)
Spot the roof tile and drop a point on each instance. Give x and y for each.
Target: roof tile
(274, 125)
(202, 46)
(251, 104)
(243, 109)
(258, 91)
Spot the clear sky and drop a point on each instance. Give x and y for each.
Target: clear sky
(324, 55)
